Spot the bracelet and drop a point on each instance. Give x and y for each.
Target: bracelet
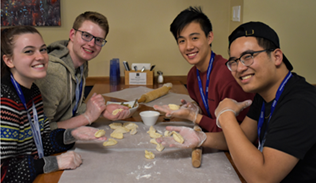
(217, 123)
(87, 118)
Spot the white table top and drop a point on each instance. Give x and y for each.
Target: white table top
(126, 162)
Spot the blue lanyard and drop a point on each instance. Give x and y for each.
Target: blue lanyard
(34, 126)
(205, 95)
(275, 101)
(78, 90)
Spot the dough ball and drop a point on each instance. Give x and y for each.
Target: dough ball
(155, 135)
(133, 131)
(159, 147)
(167, 133)
(116, 111)
(149, 155)
(173, 106)
(117, 135)
(130, 125)
(177, 137)
(115, 125)
(151, 130)
(99, 133)
(110, 142)
(121, 130)
(152, 133)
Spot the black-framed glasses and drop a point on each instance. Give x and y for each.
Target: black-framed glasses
(88, 37)
(246, 59)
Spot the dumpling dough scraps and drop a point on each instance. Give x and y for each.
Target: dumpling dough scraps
(116, 111)
(117, 135)
(115, 125)
(151, 130)
(110, 142)
(130, 125)
(173, 106)
(121, 130)
(155, 135)
(149, 155)
(159, 147)
(177, 137)
(99, 133)
(152, 133)
(167, 133)
(133, 131)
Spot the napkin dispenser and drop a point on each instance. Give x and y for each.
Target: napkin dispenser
(145, 77)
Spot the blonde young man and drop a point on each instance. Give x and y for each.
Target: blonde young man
(281, 117)
(63, 87)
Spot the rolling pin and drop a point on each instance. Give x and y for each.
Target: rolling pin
(154, 94)
(196, 154)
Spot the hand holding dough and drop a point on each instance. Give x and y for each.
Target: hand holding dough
(191, 137)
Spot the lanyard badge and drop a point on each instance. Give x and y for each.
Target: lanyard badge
(275, 101)
(205, 95)
(78, 90)
(34, 126)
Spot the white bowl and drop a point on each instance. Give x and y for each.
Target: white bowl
(149, 117)
(130, 103)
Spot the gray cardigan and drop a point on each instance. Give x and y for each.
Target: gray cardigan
(59, 86)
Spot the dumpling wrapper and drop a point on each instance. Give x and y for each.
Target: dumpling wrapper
(110, 142)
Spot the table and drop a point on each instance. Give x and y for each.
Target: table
(105, 88)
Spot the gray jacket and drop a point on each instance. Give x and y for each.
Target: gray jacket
(58, 88)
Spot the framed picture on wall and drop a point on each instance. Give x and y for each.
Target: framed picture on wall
(30, 12)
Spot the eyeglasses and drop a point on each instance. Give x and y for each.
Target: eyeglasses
(246, 59)
(88, 37)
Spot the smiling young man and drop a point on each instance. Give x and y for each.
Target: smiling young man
(281, 117)
(63, 87)
(193, 32)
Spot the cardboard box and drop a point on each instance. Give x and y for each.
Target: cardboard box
(139, 78)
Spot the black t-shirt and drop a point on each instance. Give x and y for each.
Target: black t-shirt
(292, 127)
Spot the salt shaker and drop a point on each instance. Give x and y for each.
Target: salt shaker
(160, 77)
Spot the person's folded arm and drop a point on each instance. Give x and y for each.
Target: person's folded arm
(271, 165)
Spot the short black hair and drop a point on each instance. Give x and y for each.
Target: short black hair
(262, 42)
(191, 14)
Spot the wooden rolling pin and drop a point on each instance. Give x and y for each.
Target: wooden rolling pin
(196, 154)
(154, 94)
